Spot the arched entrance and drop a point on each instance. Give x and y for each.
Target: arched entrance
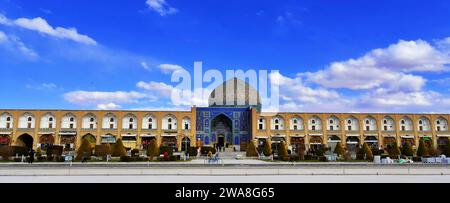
(185, 144)
(91, 139)
(25, 140)
(222, 130)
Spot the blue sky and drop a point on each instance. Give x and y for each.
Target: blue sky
(341, 56)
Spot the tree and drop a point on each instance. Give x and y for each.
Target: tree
(85, 149)
(407, 149)
(422, 150)
(251, 149)
(368, 152)
(267, 151)
(339, 150)
(118, 149)
(152, 150)
(446, 149)
(394, 151)
(282, 152)
(434, 151)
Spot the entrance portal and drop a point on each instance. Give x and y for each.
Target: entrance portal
(222, 127)
(221, 141)
(25, 141)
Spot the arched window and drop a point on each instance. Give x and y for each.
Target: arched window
(169, 122)
(424, 124)
(315, 124)
(333, 123)
(149, 122)
(261, 124)
(352, 124)
(89, 121)
(277, 123)
(388, 124)
(441, 124)
(406, 124)
(370, 124)
(296, 123)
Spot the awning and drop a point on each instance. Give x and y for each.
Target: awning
(320, 134)
(297, 135)
(443, 135)
(262, 137)
(65, 133)
(169, 135)
(107, 135)
(129, 135)
(352, 142)
(407, 137)
(426, 136)
(5, 133)
(371, 141)
(352, 135)
(147, 135)
(47, 133)
(278, 135)
(370, 135)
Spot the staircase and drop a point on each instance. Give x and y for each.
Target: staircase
(230, 154)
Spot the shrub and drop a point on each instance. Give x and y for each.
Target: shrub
(407, 149)
(422, 150)
(103, 150)
(118, 150)
(251, 149)
(367, 152)
(267, 151)
(84, 150)
(135, 152)
(54, 152)
(446, 150)
(339, 150)
(348, 156)
(433, 151)
(39, 154)
(6, 152)
(193, 151)
(394, 151)
(282, 152)
(164, 149)
(18, 150)
(205, 150)
(152, 150)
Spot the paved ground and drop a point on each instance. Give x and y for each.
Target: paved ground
(230, 171)
(229, 179)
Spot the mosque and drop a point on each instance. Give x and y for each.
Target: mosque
(230, 124)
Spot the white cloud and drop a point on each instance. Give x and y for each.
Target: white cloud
(169, 68)
(43, 86)
(85, 98)
(3, 37)
(294, 90)
(108, 106)
(145, 66)
(14, 44)
(156, 88)
(387, 68)
(41, 25)
(161, 7)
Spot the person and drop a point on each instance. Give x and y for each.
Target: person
(31, 154)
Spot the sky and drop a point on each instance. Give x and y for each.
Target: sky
(333, 56)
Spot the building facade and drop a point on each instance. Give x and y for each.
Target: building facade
(227, 124)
